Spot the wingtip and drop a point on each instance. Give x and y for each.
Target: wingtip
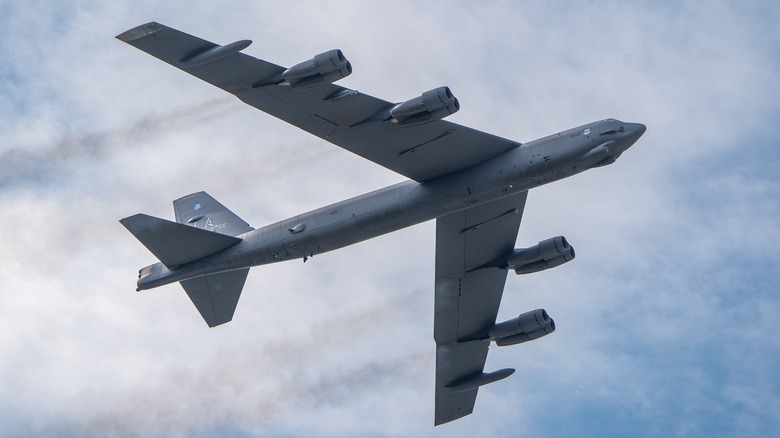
(139, 31)
(450, 418)
(126, 220)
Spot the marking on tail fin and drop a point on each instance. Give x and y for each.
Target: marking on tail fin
(200, 210)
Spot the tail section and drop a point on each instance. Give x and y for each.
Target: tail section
(203, 227)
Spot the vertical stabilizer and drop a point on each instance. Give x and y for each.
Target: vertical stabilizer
(202, 211)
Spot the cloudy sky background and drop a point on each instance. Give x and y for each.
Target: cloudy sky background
(667, 320)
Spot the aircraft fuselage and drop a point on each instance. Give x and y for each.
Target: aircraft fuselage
(408, 203)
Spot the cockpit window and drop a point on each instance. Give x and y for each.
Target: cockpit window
(609, 131)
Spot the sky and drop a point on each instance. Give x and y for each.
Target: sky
(666, 321)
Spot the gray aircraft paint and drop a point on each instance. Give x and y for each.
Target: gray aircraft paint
(408, 203)
(474, 184)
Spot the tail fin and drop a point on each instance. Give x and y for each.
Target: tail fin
(216, 295)
(202, 211)
(203, 227)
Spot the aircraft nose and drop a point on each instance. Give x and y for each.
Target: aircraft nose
(636, 129)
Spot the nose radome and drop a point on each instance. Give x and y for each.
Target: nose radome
(638, 129)
(634, 131)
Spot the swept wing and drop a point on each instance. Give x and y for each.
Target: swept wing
(467, 298)
(349, 119)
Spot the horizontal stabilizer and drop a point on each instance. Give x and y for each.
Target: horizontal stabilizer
(175, 244)
(216, 295)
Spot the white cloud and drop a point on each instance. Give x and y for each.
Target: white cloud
(665, 319)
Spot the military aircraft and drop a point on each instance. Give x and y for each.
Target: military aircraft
(473, 183)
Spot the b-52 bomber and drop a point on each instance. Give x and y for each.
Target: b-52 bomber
(472, 183)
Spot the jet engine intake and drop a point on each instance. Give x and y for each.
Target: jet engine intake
(547, 254)
(526, 327)
(325, 68)
(432, 105)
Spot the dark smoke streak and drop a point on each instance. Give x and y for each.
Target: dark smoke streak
(21, 167)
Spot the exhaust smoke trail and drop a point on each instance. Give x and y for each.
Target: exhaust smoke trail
(42, 166)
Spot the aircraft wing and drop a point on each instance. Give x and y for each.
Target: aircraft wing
(344, 117)
(467, 298)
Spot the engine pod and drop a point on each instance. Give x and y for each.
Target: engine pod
(527, 322)
(547, 254)
(327, 67)
(432, 105)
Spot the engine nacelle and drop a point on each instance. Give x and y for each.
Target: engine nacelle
(525, 337)
(547, 254)
(527, 322)
(432, 105)
(526, 327)
(325, 68)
